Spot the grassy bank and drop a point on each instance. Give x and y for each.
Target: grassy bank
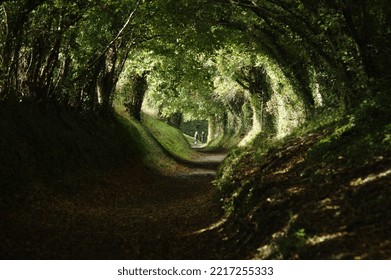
(171, 139)
(225, 141)
(320, 193)
(59, 148)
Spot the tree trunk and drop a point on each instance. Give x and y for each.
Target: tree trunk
(106, 82)
(175, 119)
(139, 88)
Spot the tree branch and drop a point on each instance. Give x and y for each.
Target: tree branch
(117, 36)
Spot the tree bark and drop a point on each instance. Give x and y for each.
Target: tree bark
(175, 119)
(139, 88)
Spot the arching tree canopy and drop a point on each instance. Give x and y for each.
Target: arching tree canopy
(282, 60)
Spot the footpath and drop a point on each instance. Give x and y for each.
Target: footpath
(130, 213)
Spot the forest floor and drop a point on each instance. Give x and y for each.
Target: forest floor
(286, 208)
(130, 213)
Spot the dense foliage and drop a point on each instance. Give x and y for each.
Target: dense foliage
(263, 65)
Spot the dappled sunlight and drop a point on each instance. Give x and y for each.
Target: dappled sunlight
(327, 204)
(317, 239)
(299, 208)
(295, 190)
(272, 249)
(211, 227)
(289, 166)
(370, 178)
(249, 137)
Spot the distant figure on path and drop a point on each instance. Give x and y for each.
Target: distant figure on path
(203, 137)
(196, 137)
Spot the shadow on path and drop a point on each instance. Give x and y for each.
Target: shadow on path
(130, 213)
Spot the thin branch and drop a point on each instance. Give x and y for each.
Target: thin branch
(242, 84)
(117, 36)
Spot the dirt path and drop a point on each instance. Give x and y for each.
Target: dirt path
(130, 214)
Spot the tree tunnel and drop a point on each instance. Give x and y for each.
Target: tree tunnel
(245, 66)
(252, 67)
(80, 79)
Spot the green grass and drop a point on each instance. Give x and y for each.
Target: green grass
(171, 139)
(190, 139)
(56, 147)
(152, 152)
(226, 140)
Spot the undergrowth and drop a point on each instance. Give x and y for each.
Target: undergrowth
(355, 138)
(225, 141)
(261, 184)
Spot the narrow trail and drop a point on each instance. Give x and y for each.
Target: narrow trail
(130, 214)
